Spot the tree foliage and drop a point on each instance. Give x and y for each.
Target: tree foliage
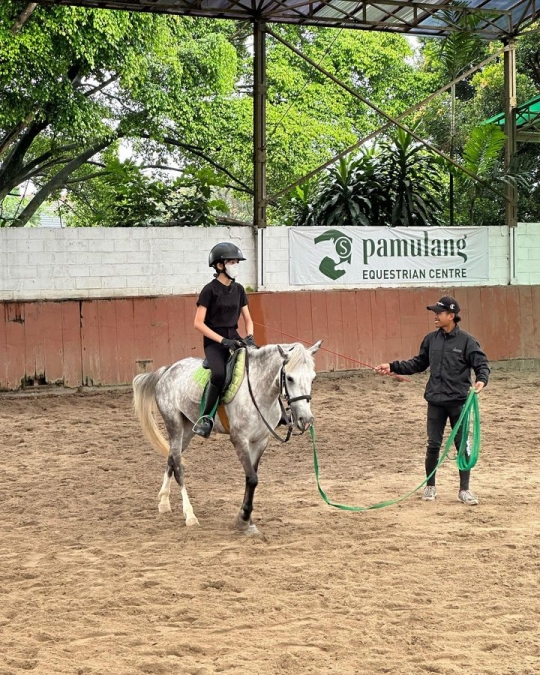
(311, 118)
(84, 89)
(478, 98)
(129, 198)
(395, 184)
(75, 81)
(81, 84)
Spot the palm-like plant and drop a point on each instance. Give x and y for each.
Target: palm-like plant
(482, 157)
(413, 181)
(394, 184)
(336, 201)
(339, 202)
(302, 204)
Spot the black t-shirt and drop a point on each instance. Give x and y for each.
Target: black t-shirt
(223, 306)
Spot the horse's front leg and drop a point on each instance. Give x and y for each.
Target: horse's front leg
(249, 455)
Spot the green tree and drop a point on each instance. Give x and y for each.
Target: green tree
(482, 156)
(11, 206)
(130, 198)
(480, 98)
(456, 53)
(311, 118)
(80, 85)
(414, 180)
(76, 81)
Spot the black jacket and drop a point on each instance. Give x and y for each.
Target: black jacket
(450, 357)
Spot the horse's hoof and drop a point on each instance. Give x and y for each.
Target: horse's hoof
(242, 524)
(192, 520)
(252, 531)
(164, 508)
(246, 526)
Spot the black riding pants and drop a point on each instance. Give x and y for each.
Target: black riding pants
(217, 355)
(437, 416)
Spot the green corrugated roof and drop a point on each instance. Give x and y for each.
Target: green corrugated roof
(526, 114)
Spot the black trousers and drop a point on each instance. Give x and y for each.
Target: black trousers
(437, 416)
(217, 356)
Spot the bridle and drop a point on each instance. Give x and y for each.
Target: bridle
(283, 392)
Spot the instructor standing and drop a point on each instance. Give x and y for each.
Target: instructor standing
(450, 354)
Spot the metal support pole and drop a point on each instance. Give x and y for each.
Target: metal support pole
(510, 103)
(452, 141)
(259, 124)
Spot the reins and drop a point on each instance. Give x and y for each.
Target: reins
(400, 378)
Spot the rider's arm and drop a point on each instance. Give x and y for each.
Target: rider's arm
(247, 319)
(200, 316)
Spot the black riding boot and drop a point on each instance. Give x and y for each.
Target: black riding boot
(204, 425)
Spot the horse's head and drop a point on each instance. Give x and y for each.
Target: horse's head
(299, 373)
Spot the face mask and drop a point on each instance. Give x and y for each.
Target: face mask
(232, 270)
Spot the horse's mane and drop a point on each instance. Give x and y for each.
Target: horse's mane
(298, 355)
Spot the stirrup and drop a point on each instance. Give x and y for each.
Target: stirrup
(203, 426)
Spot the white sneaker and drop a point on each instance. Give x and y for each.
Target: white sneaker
(429, 494)
(468, 497)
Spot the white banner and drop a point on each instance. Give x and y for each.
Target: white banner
(391, 256)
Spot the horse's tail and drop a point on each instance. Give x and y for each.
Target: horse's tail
(144, 396)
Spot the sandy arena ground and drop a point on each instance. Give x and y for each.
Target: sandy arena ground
(93, 581)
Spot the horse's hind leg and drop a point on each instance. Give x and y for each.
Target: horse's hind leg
(164, 494)
(180, 434)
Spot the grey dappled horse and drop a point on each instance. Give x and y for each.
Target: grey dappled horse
(178, 395)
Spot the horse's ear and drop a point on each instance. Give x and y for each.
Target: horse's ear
(315, 347)
(284, 355)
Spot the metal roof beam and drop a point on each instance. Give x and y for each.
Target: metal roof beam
(384, 127)
(528, 137)
(391, 120)
(432, 7)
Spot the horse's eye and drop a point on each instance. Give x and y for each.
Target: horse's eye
(289, 379)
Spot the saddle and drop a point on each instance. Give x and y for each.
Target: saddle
(234, 374)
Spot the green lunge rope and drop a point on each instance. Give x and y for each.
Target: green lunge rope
(469, 452)
(467, 456)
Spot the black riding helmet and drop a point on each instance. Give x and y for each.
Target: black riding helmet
(224, 251)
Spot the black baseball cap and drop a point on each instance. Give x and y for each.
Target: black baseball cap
(445, 304)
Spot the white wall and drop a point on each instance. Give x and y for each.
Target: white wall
(528, 254)
(95, 262)
(37, 263)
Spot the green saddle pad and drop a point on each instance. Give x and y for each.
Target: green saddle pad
(202, 377)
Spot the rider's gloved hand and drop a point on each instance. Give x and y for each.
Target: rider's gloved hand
(249, 341)
(231, 344)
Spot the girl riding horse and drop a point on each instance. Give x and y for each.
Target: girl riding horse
(220, 305)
